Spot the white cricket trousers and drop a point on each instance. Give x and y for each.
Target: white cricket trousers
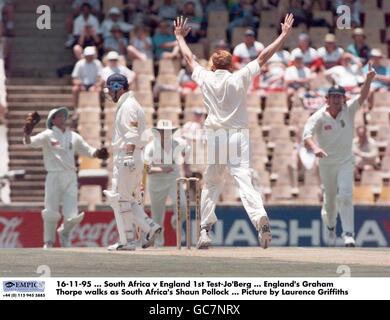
(337, 180)
(126, 183)
(60, 189)
(239, 168)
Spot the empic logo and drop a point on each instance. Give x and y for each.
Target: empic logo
(23, 286)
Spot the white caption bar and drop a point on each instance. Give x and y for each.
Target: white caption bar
(195, 288)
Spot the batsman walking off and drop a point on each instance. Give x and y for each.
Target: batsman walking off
(334, 127)
(128, 143)
(224, 96)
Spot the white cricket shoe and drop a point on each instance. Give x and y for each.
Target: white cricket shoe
(332, 237)
(48, 245)
(129, 246)
(349, 241)
(150, 237)
(265, 236)
(204, 241)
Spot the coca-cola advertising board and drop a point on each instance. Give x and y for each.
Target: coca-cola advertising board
(25, 230)
(291, 226)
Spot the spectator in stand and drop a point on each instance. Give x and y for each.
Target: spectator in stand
(381, 81)
(86, 17)
(88, 38)
(141, 41)
(359, 48)
(95, 9)
(246, 51)
(86, 74)
(297, 77)
(184, 86)
(200, 6)
(330, 54)
(356, 10)
(242, 14)
(366, 152)
(271, 79)
(272, 74)
(114, 18)
(216, 5)
(6, 18)
(299, 8)
(310, 55)
(114, 66)
(195, 22)
(282, 56)
(137, 12)
(164, 42)
(164, 10)
(347, 75)
(187, 85)
(116, 42)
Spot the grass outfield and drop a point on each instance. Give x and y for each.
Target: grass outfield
(224, 262)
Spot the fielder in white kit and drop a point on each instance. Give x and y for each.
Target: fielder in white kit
(59, 146)
(128, 142)
(333, 126)
(224, 96)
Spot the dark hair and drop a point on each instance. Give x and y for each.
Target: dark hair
(86, 4)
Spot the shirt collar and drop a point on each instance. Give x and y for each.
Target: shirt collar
(221, 71)
(58, 130)
(123, 97)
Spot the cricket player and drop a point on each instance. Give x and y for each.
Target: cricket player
(333, 127)
(225, 100)
(59, 146)
(128, 142)
(163, 156)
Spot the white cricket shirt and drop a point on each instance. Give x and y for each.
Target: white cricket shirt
(59, 148)
(224, 95)
(334, 136)
(130, 124)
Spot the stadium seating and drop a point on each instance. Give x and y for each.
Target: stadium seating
(32, 85)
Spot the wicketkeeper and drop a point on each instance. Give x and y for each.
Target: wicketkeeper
(59, 146)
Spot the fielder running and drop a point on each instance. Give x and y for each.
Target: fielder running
(128, 142)
(225, 99)
(333, 126)
(59, 146)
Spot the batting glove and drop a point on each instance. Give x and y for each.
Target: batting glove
(128, 161)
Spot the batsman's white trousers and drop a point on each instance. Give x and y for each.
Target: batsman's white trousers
(337, 180)
(240, 170)
(60, 188)
(126, 183)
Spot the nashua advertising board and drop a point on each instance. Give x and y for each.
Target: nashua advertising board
(291, 226)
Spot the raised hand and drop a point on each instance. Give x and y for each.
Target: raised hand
(371, 74)
(288, 23)
(181, 28)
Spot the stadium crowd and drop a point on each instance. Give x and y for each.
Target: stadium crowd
(135, 38)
